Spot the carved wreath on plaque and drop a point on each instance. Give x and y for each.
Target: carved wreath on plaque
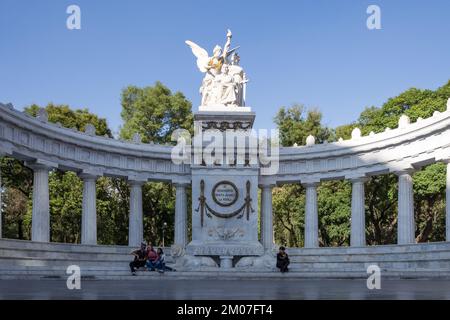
(225, 194)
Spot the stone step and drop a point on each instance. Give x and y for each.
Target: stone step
(25, 258)
(101, 275)
(422, 256)
(443, 246)
(7, 263)
(385, 264)
(23, 245)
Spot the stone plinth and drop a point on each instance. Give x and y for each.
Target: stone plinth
(225, 248)
(225, 212)
(224, 186)
(223, 109)
(225, 118)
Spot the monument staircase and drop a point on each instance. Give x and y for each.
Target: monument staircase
(21, 259)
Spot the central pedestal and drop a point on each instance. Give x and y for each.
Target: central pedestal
(224, 193)
(225, 212)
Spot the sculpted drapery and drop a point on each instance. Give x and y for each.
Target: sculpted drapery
(224, 80)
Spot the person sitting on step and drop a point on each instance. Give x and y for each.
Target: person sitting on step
(152, 258)
(140, 257)
(160, 263)
(282, 260)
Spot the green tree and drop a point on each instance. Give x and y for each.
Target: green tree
(289, 201)
(69, 118)
(296, 124)
(334, 198)
(154, 113)
(429, 183)
(65, 188)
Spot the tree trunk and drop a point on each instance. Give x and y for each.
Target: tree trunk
(20, 229)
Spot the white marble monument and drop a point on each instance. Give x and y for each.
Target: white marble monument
(224, 84)
(224, 191)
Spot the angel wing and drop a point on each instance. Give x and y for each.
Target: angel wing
(201, 55)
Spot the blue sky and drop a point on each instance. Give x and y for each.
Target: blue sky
(319, 53)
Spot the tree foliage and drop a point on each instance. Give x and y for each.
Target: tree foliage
(334, 198)
(296, 124)
(154, 113)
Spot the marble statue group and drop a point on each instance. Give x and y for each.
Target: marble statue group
(224, 81)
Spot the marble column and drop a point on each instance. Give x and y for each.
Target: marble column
(181, 215)
(447, 205)
(89, 210)
(136, 223)
(1, 203)
(311, 216)
(266, 219)
(405, 222)
(358, 224)
(40, 223)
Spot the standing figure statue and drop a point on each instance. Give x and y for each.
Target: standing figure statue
(239, 78)
(224, 80)
(228, 95)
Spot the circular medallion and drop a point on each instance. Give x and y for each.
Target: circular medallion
(225, 193)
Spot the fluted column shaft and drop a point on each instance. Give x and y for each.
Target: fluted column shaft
(40, 224)
(181, 215)
(266, 219)
(89, 210)
(136, 223)
(405, 223)
(358, 222)
(447, 205)
(1, 204)
(311, 216)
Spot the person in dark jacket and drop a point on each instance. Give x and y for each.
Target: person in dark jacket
(282, 260)
(140, 258)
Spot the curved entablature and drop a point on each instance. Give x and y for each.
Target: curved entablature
(36, 140)
(406, 148)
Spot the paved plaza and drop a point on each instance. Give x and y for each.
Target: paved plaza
(284, 289)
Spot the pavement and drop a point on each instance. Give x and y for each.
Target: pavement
(267, 289)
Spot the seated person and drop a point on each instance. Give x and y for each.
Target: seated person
(140, 257)
(152, 258)
(282, 260)
(160, 263)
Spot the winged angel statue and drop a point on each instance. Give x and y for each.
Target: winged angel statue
(224, 82)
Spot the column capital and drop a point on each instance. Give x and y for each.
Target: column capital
(310, 184)
(86, 176)
(353, 179)
(408, 171)
(40, 164)
(181, 184)
(136, 182)
(267, 185)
